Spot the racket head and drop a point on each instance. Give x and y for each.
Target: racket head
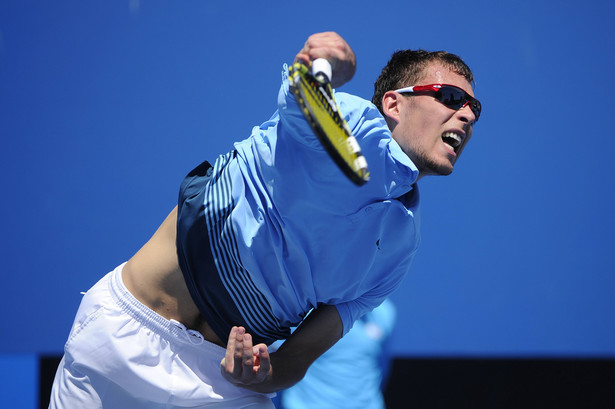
(317, 103)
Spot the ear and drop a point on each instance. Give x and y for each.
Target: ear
(391, 107)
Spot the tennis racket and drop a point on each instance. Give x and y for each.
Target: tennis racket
(314, 94)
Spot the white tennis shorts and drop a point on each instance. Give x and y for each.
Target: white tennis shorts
(121, 354)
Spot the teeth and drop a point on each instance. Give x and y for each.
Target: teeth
(452, 139)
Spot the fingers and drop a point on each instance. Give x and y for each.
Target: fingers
(237, 351)
(243, 363)
(329, 45)
(228, 364)
(247, 364)
(264, 366)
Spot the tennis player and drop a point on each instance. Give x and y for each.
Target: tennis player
(264, 234)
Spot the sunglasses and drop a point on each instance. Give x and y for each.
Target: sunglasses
(450, 95)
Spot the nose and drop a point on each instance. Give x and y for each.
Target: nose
(466, 114)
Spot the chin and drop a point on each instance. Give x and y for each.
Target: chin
(447, 168)
(446, 172)
(435, 166)
(440, 169)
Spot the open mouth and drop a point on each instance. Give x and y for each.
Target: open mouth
(453, 140)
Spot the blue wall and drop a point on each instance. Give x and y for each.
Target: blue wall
(104, 108)
(19, 381)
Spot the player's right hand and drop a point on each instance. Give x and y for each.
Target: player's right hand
(335, 49)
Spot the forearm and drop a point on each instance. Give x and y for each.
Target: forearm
(285, 372)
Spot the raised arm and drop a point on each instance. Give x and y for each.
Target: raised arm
(335, 49)
(252, 367)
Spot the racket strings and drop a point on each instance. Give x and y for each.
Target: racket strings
(318, 105)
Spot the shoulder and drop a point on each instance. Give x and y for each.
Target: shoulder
(362, 117)
(350, 103)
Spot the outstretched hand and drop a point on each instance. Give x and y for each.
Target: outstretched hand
(244, 364)
(335, 49)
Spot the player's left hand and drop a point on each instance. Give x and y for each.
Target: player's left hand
(245, 364)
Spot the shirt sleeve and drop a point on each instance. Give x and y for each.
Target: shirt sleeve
(353, 310)
(294, 123)
(391, 171)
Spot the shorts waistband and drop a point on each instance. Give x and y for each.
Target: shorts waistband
(170, 329)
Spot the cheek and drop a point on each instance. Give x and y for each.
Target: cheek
(424, 124)
(430, 115)
(428, 131)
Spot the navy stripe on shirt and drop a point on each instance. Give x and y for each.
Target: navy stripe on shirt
(250, 301)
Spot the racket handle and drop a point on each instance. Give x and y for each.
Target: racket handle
(321, 69)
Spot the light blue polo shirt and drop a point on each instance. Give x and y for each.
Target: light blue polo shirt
(289, 231)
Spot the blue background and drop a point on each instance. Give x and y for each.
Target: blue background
(105, 106)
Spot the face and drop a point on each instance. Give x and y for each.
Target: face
(430, 133)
